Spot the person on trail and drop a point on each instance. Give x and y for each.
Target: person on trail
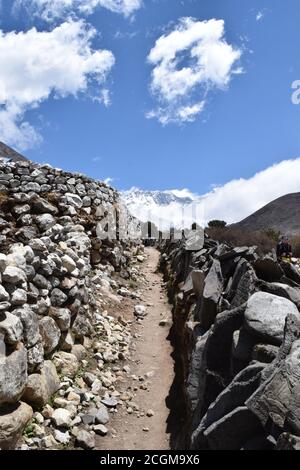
(284, 249)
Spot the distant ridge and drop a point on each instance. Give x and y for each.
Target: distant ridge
(7, 153)
(283, 215)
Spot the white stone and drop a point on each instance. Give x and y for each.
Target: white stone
(61, 418)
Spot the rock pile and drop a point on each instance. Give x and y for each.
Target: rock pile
(56, 278)
(237, 337)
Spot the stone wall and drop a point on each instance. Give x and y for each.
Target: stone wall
(49, 251)
(236, 333)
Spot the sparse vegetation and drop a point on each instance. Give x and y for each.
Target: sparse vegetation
(239, 237)
(29, 430)
(221, 224)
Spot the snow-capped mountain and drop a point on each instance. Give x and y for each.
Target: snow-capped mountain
(178, 208)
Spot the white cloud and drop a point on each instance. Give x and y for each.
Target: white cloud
(50, 10)
(108, 181)
(231, 202)
(43, 64)
(259, 15)
(188, 62)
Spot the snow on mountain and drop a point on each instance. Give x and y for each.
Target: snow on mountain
(177, 208)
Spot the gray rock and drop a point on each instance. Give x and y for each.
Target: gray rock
(195, 385)
(243, 343)
(4, 295)
(35, 357)
(11, 327)
(287, 441)
(13, 375)
(58, 298)
(30, 325)
(100, 430)
(277, 397)
(233, 430)
(85, 440)
(89, 379)
(102, 416)
(19, 297)
(40, 387)
(282, 290)
(234, 396)
(73, 200)
(42, 206)
(62, 437)
(66, 363)
(110, 402)
(265, 316)
(50, 334)
(61, 418)
(268, 269)
(211, 295)
(68, 263)
(45, 221)
(81, 327)
(13, 421)
(245, 288)
(14, 275)
(265, 353)
(62, 316)
(3, 263)
(140, 311)
(40, 281)
(291, 272)
(198, 278)
(34, 187)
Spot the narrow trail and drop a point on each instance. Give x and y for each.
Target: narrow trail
(151, 360)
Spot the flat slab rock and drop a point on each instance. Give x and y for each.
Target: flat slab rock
(233, 430)
(265, 316)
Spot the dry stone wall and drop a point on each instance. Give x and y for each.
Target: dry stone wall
(237, 338)
(51, 264)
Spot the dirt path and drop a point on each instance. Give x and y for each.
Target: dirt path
(152, 362)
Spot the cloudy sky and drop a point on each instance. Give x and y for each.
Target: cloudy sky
(159, 94)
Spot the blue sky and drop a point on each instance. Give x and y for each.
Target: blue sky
(242, 129)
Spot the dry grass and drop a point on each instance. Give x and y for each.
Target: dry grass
(239, 237)
(295, 242)
(3, 198)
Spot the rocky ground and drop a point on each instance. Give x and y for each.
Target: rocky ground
(114, 396)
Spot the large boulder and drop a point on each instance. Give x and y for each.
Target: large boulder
(213, 286)
(277, 398)
(50, 334)
(66, 363)
(29, 321)
(11, 327)
(41, 386)
(14, 275)
(245, 288)
(282, 290)
(235, 395)
(233, 430)
(198, 279)
(13, 420)
(13, 375)
(268, 269)
(195, 384)
(265, 316)
(291, 272)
